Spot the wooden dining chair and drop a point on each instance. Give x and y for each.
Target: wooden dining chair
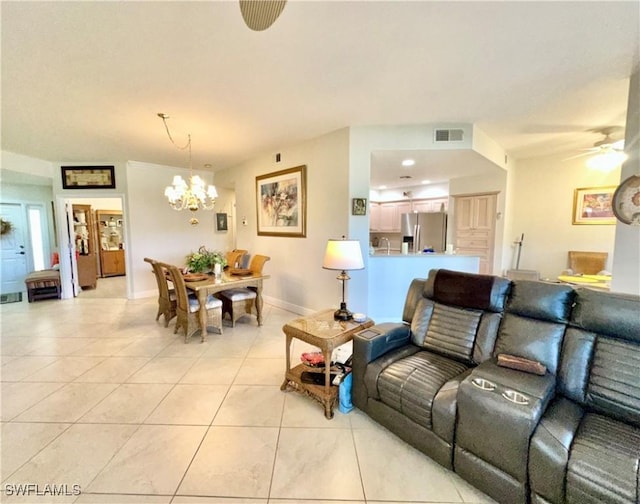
(242, 301)
(587, 263)
(234, 257)
(166, 296)
(188, 307)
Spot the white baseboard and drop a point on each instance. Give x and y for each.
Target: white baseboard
(279, 303)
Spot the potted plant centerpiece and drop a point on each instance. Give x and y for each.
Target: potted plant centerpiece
(205, 261)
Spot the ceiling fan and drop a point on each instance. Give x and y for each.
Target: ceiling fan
(607, 153)
(259, 15)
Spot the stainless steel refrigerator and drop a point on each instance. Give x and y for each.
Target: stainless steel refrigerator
(425, 231)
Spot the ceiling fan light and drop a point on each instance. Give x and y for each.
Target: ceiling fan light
(607, 161)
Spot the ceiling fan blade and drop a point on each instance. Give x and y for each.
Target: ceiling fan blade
(591, 151)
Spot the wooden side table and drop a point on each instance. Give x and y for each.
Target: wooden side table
(322, 331)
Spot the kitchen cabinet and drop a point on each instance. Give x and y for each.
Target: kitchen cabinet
(85, 242)
(385, 217)
(402, 207)
(374, 216)
(431, 205)
(390, 215)
(111, 233)
(475, 218)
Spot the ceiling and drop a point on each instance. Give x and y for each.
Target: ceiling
(84, 81)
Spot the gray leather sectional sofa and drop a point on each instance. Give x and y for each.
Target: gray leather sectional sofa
(528, 390)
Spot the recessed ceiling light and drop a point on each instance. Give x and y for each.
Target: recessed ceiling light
(382, 187)
(408, 162)
(426, 181)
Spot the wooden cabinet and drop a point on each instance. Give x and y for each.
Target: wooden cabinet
(111, 234)
(85, 243)
(112, 263)
(475, 218)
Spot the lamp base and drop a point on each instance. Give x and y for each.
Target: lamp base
(342, 313)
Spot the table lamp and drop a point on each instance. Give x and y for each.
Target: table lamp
(343, 255)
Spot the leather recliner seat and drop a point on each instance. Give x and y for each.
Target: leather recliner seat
(450, 325)
(566, 432)
(495, 426)
(586, 448)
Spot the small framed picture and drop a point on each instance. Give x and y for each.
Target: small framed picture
(221, 222)
(359, 206)
(88, 177)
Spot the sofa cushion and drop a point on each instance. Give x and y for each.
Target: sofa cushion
(614, 381)
(540, 300)
(573, 375)
(452, 331)
(409, 385)
(594, 311)
(469, 290)
(604, 460)
(532, 339)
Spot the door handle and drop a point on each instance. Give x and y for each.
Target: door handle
(20, 253)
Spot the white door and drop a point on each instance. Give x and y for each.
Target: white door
(13, 250)
(72, 258)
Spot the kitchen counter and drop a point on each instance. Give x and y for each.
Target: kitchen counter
(397, 253)
(390, 276)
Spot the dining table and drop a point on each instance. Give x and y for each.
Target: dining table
(226, 280)
(595, 281)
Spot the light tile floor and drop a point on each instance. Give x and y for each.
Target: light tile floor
(97, 394)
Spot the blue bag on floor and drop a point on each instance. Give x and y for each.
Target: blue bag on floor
(344, 395)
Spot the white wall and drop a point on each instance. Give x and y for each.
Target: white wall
(41, 195)
(156, 230)
(99, 203)
(298, 282)
(25, 192)
(543, 190)
(427, 191)
(364, 140)
(26, 164)
(626, 267)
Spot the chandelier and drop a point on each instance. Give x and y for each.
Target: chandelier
(190, 197)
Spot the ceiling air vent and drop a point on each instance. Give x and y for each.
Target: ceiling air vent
(449, 135)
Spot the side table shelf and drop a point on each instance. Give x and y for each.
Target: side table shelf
(322, 331)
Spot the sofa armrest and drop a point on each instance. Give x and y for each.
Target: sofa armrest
(445, 407)
(492, 397)
(369, 345)
(549, 449)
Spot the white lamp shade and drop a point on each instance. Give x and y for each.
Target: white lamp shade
(211, 192)
(343, 255)
(178, 181)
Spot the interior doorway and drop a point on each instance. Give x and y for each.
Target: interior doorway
(97, 236)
